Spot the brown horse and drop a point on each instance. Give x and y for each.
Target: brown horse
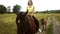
(43, 23)
(26, 24)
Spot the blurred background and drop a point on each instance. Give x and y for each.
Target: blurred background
(48, 9)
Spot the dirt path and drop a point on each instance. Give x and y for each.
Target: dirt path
(56, 26)
(48, 22)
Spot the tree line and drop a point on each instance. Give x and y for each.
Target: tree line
(16, 8)
(50, 11)
(3, 9)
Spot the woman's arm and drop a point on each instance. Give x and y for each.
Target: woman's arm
(33, 11)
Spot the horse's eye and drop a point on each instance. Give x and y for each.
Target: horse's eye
(18, 21)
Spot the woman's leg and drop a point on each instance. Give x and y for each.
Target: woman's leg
(36, 22)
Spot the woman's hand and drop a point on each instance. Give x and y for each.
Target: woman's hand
(32, 14)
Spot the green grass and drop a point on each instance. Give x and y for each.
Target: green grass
(50, 29)
(8, 25)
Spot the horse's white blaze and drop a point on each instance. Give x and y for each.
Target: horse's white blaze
(18, 21)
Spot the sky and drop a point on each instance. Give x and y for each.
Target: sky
(40, 5)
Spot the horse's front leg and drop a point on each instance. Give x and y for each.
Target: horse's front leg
(19, 31)
(44, 27)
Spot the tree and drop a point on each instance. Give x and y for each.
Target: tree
(16, 8)
(2, 9)
(9, 9)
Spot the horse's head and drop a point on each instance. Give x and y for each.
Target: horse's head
(21, 16)
(21, 21)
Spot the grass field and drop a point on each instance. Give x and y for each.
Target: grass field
(8, 25)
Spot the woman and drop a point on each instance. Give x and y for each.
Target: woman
(30, 9)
